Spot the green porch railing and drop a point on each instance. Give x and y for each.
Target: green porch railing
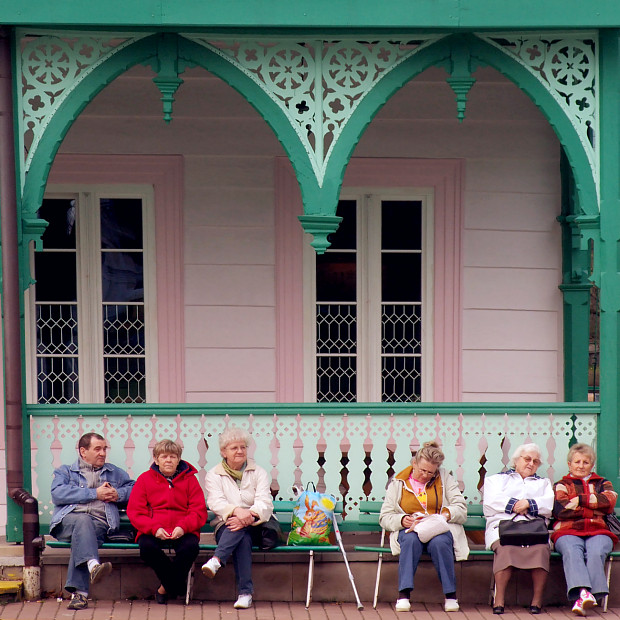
(350, 449)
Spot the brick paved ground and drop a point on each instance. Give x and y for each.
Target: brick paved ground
(51, 609)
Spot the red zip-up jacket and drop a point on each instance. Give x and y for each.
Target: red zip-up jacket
(155, 502)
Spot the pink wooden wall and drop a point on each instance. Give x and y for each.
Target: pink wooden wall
(501, 340)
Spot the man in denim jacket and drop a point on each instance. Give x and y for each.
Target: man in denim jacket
(86, 497)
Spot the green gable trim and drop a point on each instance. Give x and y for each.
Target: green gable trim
(344, 15)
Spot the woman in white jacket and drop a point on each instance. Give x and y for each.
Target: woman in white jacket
(418, 491)
(238, 493)
(518, 494)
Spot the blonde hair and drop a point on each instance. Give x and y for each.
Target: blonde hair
(430, 452)
(581, 448)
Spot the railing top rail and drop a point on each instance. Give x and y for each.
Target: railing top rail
(326, 409)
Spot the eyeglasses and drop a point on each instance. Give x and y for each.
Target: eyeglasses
(529, 459)
(426, 472)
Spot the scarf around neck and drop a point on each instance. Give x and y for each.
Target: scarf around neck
(233, 473)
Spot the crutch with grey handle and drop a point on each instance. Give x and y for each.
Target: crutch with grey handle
(346, 561)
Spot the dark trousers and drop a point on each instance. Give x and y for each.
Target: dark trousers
(171, 569)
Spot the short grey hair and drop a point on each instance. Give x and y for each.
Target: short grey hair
(233, 433)
(430, 452)
(581, 448)
(522, 449)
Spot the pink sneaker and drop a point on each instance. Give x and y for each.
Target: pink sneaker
(578, 609)
(588, 599)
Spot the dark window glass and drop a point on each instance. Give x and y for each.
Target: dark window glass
(121, 223)
(60, 232)
(125, 380)
(122, 276)
(401, 225)
(401, 278)
(402, 379)
(336, 379)
(335, 277)
(345, 237)
(55, 276)
(57, 380)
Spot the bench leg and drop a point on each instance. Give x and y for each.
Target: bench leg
(377, 581)
(310, 579)
(190, 584)
(608, 575)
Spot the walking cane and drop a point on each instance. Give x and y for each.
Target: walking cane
(344, 555)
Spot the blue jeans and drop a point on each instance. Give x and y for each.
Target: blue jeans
(441, 550)
(584, 563)
(239, 545)
(86, 534)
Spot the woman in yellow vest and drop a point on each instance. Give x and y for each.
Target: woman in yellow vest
(426, 498)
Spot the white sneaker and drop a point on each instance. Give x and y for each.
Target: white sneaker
(588, 599)
(243, 602)
(210, 568)
(402, 604)
(451, 604)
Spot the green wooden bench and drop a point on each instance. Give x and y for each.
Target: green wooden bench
(369, 516)
(283, 510)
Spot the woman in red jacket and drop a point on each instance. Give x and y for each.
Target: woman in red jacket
(167, 507)
(580, 533)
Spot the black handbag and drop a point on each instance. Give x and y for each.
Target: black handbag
(613, 523)
(523, 533)
(267, 535)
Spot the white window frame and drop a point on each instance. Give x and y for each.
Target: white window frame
(88, 250)
(368, 279)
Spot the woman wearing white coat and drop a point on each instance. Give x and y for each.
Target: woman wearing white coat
(518, 493)
(239, 495)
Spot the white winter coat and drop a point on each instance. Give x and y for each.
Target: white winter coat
(224, 495)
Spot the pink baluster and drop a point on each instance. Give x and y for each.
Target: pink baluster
(274, 448)
(460, 455)
(130, 448)
(56, 446)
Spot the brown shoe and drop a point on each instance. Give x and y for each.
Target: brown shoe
(79, 601)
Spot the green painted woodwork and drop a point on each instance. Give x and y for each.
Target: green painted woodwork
(326, 409)
(167, 69)
(609, 86)
(347, 15)
(460, 79)
(318, 96)
(566, 66)
(575, 289)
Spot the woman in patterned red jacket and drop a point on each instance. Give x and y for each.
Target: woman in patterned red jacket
(580, 533)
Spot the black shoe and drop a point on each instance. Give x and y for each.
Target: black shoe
(499, 609)
(161, 599)
(535, 609)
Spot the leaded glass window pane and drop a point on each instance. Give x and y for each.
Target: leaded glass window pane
(57, 380)
(125, 380)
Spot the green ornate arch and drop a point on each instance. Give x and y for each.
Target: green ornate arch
(371, 73)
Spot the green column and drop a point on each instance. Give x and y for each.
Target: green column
(609, 136)
(576, 338)
(575, 289)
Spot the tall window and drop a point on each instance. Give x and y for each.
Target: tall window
(92, 327)
(371, 297)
